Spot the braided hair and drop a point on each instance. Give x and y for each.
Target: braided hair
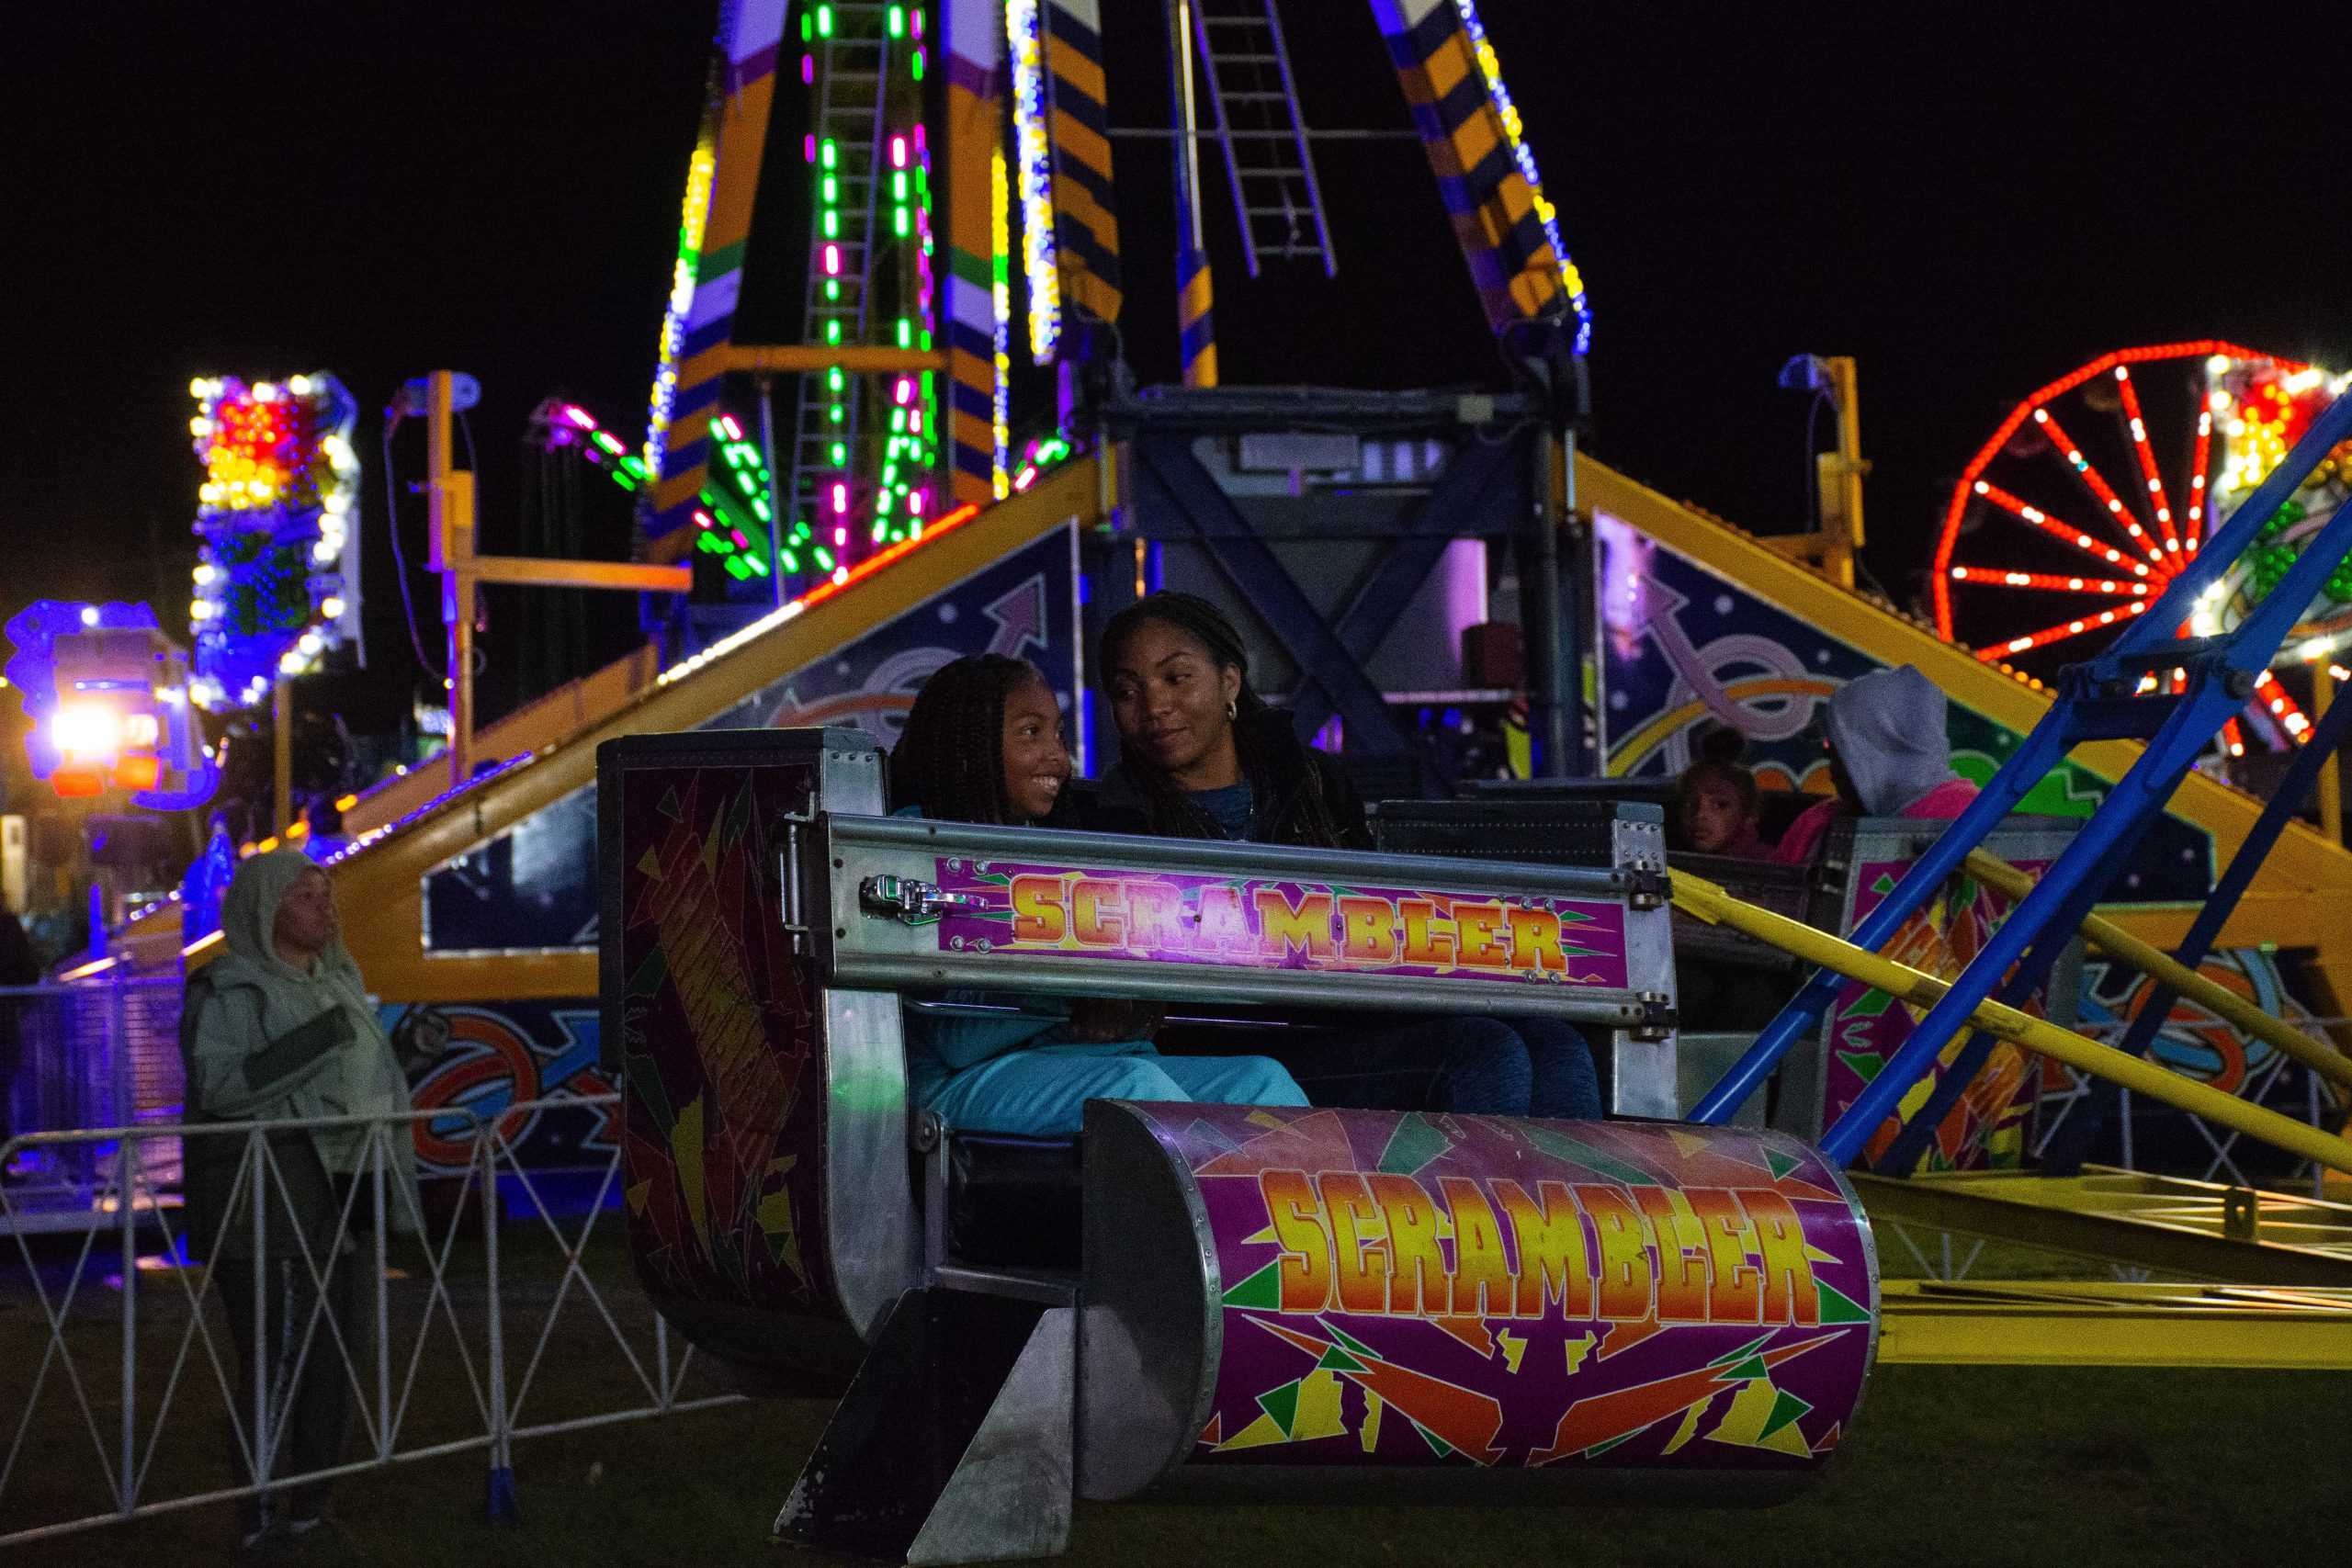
(949, 763)
(1260, 732)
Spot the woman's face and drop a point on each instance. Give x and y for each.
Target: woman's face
(1713, 818)
(306, 921)
(1036, 763)
(1172, 703)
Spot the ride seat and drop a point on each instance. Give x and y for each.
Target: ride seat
(1012, 1199)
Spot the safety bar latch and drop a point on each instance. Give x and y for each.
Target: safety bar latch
(910, 901)
(1646, 885)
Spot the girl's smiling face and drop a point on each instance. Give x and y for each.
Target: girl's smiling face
(1036, 763)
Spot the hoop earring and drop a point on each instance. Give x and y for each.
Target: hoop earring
(1232, 709)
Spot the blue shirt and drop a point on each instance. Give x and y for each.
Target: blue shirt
(1232, 807)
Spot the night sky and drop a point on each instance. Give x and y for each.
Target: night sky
(1972, 200)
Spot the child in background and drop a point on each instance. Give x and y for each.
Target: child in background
(1889, 756)
(984, 744)
(1715, 801)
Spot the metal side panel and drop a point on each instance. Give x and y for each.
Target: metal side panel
(916, 904)
(1643, 1082)
(1153, 1323)
(1009, 1497)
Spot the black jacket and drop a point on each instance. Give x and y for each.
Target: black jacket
(1291, 778)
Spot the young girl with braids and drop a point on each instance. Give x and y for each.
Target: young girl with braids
(984, 744)
(1202, 756)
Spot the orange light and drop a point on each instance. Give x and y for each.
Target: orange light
(138, 772)
(72, 782)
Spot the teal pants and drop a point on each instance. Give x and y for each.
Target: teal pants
(1044, 1091)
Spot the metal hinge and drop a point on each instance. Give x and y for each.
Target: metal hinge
(1646, 885)
(1658, 1016)
(908, 901)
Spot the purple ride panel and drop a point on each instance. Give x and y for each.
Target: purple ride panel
(1398, 1289)
(1186, 917)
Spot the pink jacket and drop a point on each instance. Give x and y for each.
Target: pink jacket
(1801, 842)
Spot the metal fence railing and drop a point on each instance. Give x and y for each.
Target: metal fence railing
(439, 1326)
(86, 1054)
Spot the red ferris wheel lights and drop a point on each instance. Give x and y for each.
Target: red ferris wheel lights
(2059, 633)
(2062, 532)
(2199, 470)
(2089, 475)
(2147, 458)
(2051, 580)
(2289, 713)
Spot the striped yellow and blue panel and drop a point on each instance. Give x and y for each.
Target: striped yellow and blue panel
(1086, 226)
(1196, 321)
(975, 48)
(710, 279)
(1485, 173)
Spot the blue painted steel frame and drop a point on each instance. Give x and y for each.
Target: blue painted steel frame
(1210, 515)
(1476, 468)
(2066, 1150)
(2095, 699)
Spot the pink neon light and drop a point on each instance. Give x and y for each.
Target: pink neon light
(898, 152)
(840, 536)
(808, 69)
(740, 542)
(914, 421)
(841, 498)
(809, 148)
(832, 261)
(579, 416)
(905, 390)
(920, 145)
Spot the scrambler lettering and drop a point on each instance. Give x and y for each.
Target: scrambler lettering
(1278, 925)
(1387, 1246)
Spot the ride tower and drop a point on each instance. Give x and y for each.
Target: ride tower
(960, 328)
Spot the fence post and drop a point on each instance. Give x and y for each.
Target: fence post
(126, 1182)
(500, 1502)
(257, 1358)
(383, 1307)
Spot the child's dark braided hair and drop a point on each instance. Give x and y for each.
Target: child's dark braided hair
(949, 763)
(1256, 728)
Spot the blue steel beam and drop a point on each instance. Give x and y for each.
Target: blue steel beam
(2187, 724)
(2066, 1150)
(1254, 568)
(2219, 684)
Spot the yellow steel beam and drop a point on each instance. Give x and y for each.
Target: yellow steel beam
(537, 573)
(857, 359)
(386, 879)
(2162, 1223)
(2116, 943)
(1705, 900)
(2304, 891)
(2038, 1323)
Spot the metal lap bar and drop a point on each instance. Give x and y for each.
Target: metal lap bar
(1048, 912)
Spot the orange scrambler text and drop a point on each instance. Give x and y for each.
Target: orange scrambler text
(1370, 1242)
(1270, 926)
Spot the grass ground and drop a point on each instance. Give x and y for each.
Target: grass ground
(1946, 1465)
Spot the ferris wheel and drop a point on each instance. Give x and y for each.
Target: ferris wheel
(2189, 429)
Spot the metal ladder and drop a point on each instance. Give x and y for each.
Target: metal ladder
(1255, 118)
(845, 114)
(2122, 694)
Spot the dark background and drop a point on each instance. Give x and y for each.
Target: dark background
(1973, 199)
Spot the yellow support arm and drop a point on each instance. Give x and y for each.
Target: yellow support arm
(2116, 943)
(1704, 900)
